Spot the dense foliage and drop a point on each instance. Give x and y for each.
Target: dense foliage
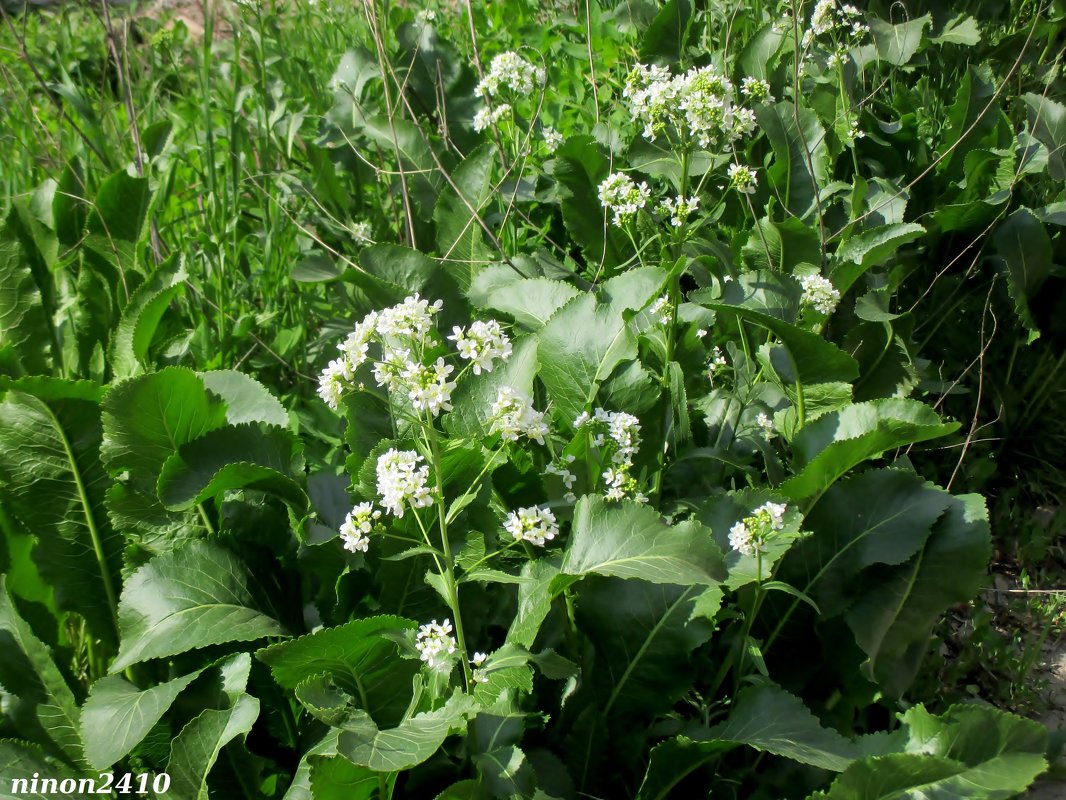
(519, 400)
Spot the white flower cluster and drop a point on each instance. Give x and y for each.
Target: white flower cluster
(513, 415)
(715, 363)
(410, 320)
(569, 478)
(552, 139)
(534, 525)
(819, 293)
(618, 193)
(699, 105)
(435, 642)
(428, 387)
(481, 344)
(756, 89)
(486, 118)
(623, 431)
(840, 22)
(679, 209)
(742, 178)
(363, 232)
(750, 534)
(510, 71)
(766, 425)
(662, 309)
(357, 526)
(401, 481)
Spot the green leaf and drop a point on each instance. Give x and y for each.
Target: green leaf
(757, 56)
(961, 29)
(1025, 247)
(869, 249)
(406, 271)
(196, 749)
(531, 302)
(52, 482)
(25, 333)
(472, 401)
(644, 634)
(24, 761)
(665, 38)
(116, 222)
(147, 418)
(972, 118)
(117, 715)
(363, 663)
(878, 517)
(801, 156)
(1047, 120)
(630, 540)
(810, 358)
(460, 238)
(193, 597)
(247, 456)
(42, 707)
(408, 744)
(141, 316)
(897, 44)
(247, 400)
(827, 448)
(300, 788)
(534, 601)
(580, 166)
(334, 777)
(893, 618)
(583, 343)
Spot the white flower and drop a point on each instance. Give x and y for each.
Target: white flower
(399, 482)
(356, 345)
(557, 469)
(618, 193)
(701, 332)
(363, 232)
(510, 71)
(772, 515)
(479, 676)
(582, 419)
(412, 319)
(679, 208)
(478, 659)
(766, 424)
(534, 524)
(819, 293)
(756, 89)
(333, 381)
(425, 16)
(486, 118)
(482, 343)
(513, 415)
(552, 139)
(428, 387)
(435, 643)
(357, 526)
(742, 178)
(661, 309)
(715, 362)
(741, 540)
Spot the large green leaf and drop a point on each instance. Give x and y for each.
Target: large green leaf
(117, 222)
(580, 166)
(22, 761)
(766, 718)
(408, 744)
(52, 482)
(193, 597)
(630, 540)
(300, 788)
(801, 165)
(196, 749)
(899, 605)
(1047, 120)
(147, 418)
(827, 448)
(869, 249)
(246, 456)
(25, 334)
(117, 715)
(40, 704)
(333, 777)
(359, 658)
(247, 400)
(531, 302)
(141, 316)
(1025, 247)
(664, 40)
(460, 238)
(897, 44)
(810, 358)
(585, 340)
(879, 517)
